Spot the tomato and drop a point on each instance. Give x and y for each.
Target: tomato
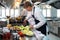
(21, 34)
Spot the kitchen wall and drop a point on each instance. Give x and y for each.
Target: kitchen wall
(47, 12)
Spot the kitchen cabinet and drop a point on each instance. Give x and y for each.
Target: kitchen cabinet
(54, 27)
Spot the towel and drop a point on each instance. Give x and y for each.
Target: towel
(38, 34)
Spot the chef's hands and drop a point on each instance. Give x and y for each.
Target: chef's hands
(24, 22)
(31, 27)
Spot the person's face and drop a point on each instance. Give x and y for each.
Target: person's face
(29, 8)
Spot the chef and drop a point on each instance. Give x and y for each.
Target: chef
(40, 21)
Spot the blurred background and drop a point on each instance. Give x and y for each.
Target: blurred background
(50, 10)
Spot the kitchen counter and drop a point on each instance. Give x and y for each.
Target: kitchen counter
(18, 34)
(27, 37)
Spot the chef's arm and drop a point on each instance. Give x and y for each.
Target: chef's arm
(41, 18)
(26, 18)
(23, 13)
(41, 23)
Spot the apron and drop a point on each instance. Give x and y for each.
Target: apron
(43, 27)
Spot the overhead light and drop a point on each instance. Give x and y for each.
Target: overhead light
(48, 6)
(45, 6)
(17, 3)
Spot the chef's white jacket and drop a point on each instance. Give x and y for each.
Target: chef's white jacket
(24, 12)
(38, 15)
